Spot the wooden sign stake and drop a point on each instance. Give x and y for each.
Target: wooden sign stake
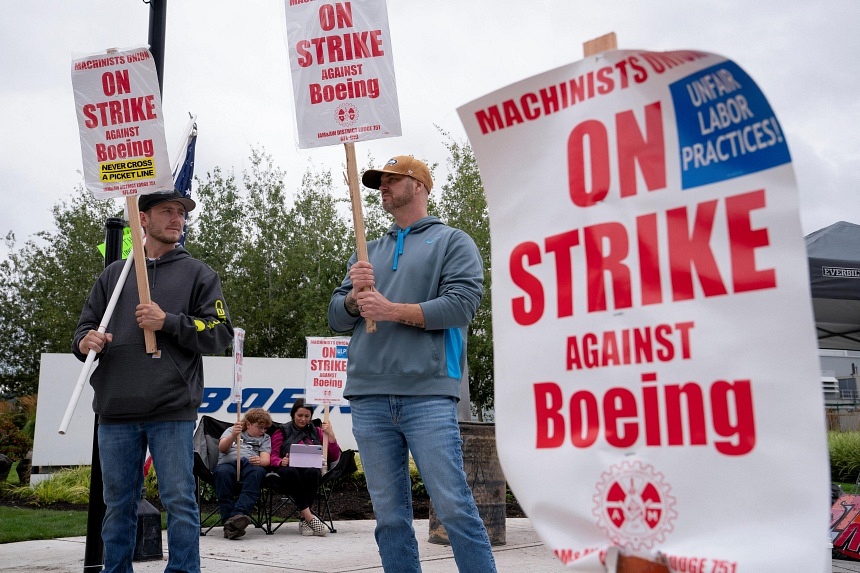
(601, 44)
(325, 440)
(140, 265)
(357, 214)
(239, 443)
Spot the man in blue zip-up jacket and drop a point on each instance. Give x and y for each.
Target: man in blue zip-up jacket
(422, 285)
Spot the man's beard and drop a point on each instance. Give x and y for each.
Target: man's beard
(164, 236)
(398, 201)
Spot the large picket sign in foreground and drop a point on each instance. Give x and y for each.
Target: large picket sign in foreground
(656, 371)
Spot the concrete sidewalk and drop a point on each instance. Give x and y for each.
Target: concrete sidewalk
(352, 548)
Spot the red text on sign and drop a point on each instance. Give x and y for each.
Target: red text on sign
(332, 365)
(686, 414)
(607, 251)
(340, 48)
(127, 110)
(642, 345)
(589, 153)
(554, 98)
(551, 99)
(110, 152)
(350, 89)
(338, 15)
(116, 82)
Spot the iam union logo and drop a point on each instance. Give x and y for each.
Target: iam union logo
(633, 506)
(346, 114)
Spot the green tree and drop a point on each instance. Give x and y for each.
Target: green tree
(278, 264)
(219, 224)
(43, 286)
(318, 246)
(463, 205)
(217, 229)
(263, 306)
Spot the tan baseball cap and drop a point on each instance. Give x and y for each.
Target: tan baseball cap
(401, 165)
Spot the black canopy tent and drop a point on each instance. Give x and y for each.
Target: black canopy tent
(834, 272)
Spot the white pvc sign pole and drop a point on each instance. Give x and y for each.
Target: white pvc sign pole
(87, 368)
(238, 354)
(656, 369)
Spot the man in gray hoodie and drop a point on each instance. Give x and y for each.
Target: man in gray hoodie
(151, 400)
(422, 285)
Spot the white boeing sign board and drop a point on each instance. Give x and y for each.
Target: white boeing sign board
(270, 383)
(342, 68)
(653, 331)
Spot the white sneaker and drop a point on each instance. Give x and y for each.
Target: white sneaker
(313, 527)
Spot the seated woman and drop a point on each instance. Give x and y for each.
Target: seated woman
(254, 453)
(302, 483)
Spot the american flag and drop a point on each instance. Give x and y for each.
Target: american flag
(183, 171)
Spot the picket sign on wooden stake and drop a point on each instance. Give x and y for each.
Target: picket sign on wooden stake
(625, 563)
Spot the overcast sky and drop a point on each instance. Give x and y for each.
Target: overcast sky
(226, 62)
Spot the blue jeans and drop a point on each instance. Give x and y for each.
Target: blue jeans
(386, 429)
(122, 448)
(226, 486)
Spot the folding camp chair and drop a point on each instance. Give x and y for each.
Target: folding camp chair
(278, 501)
(206, 438)
(344, 466)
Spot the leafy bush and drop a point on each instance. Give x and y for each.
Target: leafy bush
(844, 456)
(14, 443)
(417, 480)
(357, 479)
(150, 482)
(70, 485)
(28, 406)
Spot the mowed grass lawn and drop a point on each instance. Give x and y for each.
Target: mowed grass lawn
(22, 524)
(27, 523)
